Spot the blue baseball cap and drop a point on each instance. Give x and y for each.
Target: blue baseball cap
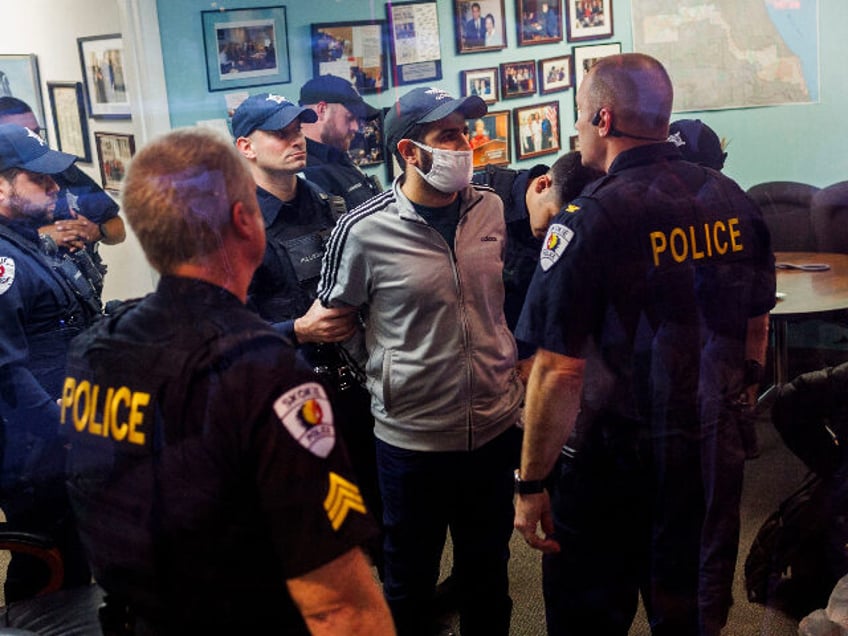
(24, 149)
(697, 142)
(267, 111)
(336, 90)
(426, 105)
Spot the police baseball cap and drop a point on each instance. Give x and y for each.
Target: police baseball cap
(267, 111)
(423, 106)
(335, 90)
(697, 142)
(24, 149)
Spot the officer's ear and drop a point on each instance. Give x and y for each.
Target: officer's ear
(541, 183)
(245, 146)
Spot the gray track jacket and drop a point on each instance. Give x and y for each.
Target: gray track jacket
(440, 359)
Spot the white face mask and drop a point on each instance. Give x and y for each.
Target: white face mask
(451, 170)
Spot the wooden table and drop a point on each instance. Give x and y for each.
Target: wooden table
(805, 294)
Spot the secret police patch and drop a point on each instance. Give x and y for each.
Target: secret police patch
(7, 273)
(306, 413)
(556, 240)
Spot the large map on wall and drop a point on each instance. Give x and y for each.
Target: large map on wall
(732, 53)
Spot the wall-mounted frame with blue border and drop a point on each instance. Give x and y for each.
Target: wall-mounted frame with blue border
(246, 47)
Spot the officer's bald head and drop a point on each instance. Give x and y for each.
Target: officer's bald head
(637, 89)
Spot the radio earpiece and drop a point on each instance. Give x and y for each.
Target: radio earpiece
(596, 120)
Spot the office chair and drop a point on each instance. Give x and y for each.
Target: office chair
(830, 218)
(786, 207)
(52, 611)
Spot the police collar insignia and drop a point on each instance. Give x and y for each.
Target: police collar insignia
(556, 240)
(571, 208)
(7, 273)
(306, 413)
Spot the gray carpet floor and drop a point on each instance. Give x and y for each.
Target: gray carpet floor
(768, 480)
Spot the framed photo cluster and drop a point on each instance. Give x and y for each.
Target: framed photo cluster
(245, 47)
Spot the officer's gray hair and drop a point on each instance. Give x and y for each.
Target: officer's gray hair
(179, 192)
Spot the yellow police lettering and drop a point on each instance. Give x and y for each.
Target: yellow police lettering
(123, 411)
(67, 397)
(681, 254)
(119, 431)
(687, 243)
(83, 390)
(658, 245)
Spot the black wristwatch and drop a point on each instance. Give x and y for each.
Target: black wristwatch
(754, 373)
(528, 487)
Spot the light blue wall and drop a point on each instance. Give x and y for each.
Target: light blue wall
(800, 142)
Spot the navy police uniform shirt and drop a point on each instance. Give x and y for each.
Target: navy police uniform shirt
(286, 282)
(651, 271)
(80, 193)
(335, 172)
(204, 466)
(40, 314)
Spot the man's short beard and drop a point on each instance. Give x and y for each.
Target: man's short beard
(24, 212)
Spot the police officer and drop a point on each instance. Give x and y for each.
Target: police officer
(298, 217)
(212, 492)
(339, 109)
(85, 215)
(44, 302)
(543, 190)
(650, 309)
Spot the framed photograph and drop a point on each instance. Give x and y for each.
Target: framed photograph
(354, 50)
(588, 20)
(245, 47)
(68, 106)
(482, 82)
(102, 61)
(414, 37)
(114, 151)
(480, 25)
(574, 143)
(585, 56)
(518, 78)
(19, 78)
(489, 139)
(538, 21)
(536, 130)
(368, 145)
(554, 74)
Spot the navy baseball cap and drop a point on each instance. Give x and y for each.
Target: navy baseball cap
(24, 149)
(426, 105)
(697, 142)
(336, 90)
(267, 111)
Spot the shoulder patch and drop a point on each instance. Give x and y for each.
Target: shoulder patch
(306, 413)
(7, 273)
(556, 240)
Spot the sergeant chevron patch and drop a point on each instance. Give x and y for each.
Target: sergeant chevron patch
(343, 497)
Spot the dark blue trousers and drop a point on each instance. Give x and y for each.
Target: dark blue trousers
(424, 494)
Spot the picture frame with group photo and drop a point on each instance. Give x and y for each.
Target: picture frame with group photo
(114, 152)
(518, 79)
(554, 74)
(482, 82)
(588, 20)
(480, 25)
(489, 139)
(245, 47)
(102, 60)
(538, 21)
(537, 130)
